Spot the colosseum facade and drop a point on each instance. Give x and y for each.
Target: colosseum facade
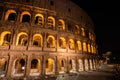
(45, 37)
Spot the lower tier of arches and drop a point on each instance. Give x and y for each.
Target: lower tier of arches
(26, 63)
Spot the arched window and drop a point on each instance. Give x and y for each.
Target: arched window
(22, 39)
(35, 67)
(83, 31)
(77, 29)
(62, 65)
(89, 49)
(5, 38)
(50, 66)
(51, 22)
(37, 40)
(19, 66)
(80, 62)
(34, 63)
(39, 19)
(71, 44)
(79, 45)
(10, 15)
(25, 17)
(61, 25)
(92, 50)
(51, 41)
(86, 64)
(62, 42)
(84, 46)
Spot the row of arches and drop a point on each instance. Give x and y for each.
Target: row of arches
(22, 39)
(50, 22)
(72, 66)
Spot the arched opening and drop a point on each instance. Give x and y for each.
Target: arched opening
(80, 62)
(77, 29)
(91, 64)
(35, 67)
(5, 38)
(62, 66)
(83, 31)
(51, 22)
(3, 65)
(71, 44)
(50, 66)
(39, 19)
(92, 50)
(10, 15)
(72, 66)
(86, 64)
(25, 17)
(79, 46)
(89, 49)
(62, 43)
(51, 41)
(19, 67)
(37, 40)
(22, 39)
(84, 47)
(61, 25)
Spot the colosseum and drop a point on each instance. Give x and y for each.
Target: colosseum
(41, 38)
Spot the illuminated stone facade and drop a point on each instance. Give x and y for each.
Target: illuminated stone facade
(45, 37)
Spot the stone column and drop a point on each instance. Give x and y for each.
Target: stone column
(42, 66)
(10, 66)
(28, 66)
(43, 62)
(77, 65)
(56, 65)
(67, 65)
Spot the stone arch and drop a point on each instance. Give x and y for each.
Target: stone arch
(51, 22)
(72, 65)
(50, 66)
(62, 42)
(37, 40)
(80, 65)
(3, 65)
(91, 64)
(19, 67)
(77, 29)
(92, 49)
(22, 39)
(62, 66)
(39, 19)
(79, 45)
(89, 49)
(84, 46)
(82, 31)
(51, 41)
(25, 16)
(35, 67)
(10, 15)
(5, 38)
(71, 44)
(61, 24)
(86, 64)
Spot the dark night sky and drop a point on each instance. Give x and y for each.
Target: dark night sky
(105, 15)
